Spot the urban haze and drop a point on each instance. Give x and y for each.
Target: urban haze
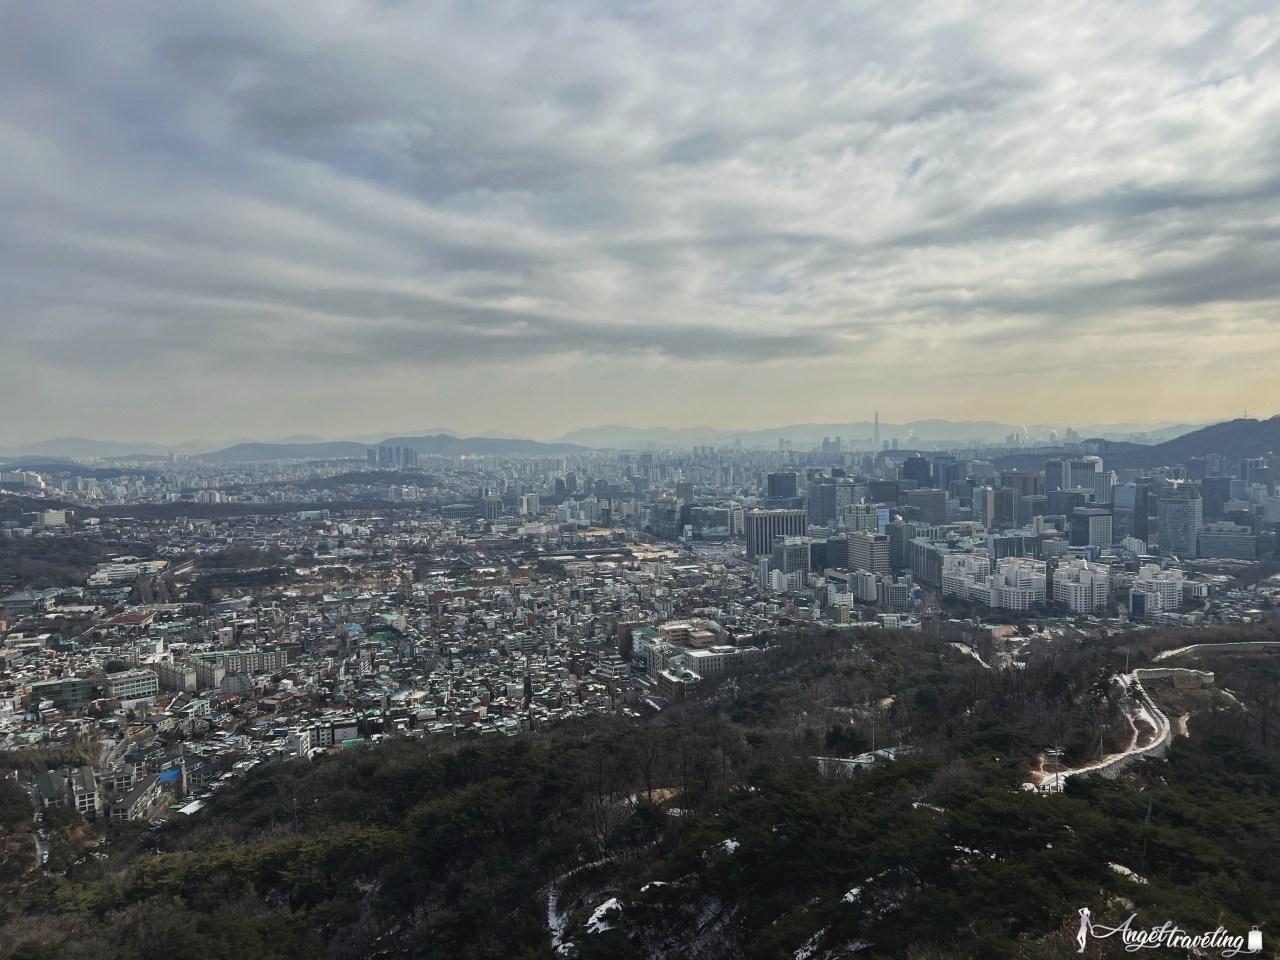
(229, 221)
(568, 481)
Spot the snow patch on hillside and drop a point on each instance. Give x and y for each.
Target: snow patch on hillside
(599, 921)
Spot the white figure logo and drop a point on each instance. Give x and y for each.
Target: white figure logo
(1083, 936)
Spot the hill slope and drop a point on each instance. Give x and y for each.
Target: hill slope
(1233, 439)
(444, 445)
(706, 833)
(441, 444)
(249, 452)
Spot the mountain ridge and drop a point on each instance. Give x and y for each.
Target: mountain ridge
(933, 431)
(1233, 439)
(441, 445)
(923, 434)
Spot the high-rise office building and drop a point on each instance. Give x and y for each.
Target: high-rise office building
(883, 491)
(1142, 503)
(791, 554)
(1181, 516)
(1082, 472)
(1215, 492)
(860, 517)
(870, 551)
(1054, 470)
(984, 505)
(1104, 484)
(1026, 482)
(666, 518)
(783, 485)
(822, 501)
(1259, 470)
(948, 470)
(828, 496)
(931, 502)
(900, 534)
(917, 468)
(1006, 504)
(1033, 505)
(1012, 543)
(763, 525)
(1090, 527)
(1063, 501)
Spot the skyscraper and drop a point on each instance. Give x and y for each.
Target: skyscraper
(877, 432)
(984, 505)
(1026, 482)
(1090, 527)
(870, 551)
(1005, 506)
(783, 485)
(1063, 501)
(917, 468)
(931, 502)
(763, 525)
(1215, 491)
(1081, 472)
(1054, 471)
(666, 518)
(1181, 513)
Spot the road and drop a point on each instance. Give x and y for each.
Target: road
(42, 848)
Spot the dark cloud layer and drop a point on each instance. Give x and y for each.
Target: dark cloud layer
(668, 200)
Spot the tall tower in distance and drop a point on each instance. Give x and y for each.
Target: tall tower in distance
(877, 434)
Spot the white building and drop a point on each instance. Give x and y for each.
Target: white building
(864, 585)
(1134, 545)
(861, 517)
(1017, 584)
(964, 575)
(1156, 591)
(133, 686)
(1082, 587)
(792, 582)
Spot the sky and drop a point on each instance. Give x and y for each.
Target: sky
(229, 220)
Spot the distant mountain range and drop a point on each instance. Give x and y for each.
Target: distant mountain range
(301, 446)
(441, 444)
(916, 434)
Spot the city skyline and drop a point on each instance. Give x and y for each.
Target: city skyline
(540, 218)
(606, 478)
(866, 435)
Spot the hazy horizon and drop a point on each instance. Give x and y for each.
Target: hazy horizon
(228, 219)
(889, 430)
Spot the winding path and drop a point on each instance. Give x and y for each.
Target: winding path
(1150, 714)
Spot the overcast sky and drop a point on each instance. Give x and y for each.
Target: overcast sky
(222, 219)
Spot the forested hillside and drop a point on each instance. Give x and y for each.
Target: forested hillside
(709, 831)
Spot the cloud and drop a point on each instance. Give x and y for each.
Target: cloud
(696, 195)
